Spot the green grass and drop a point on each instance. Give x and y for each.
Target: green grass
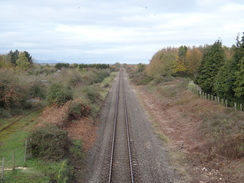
(106, 83)
(38, 172)
(102, 90)
(23, 176)
(5, 121)
(13, 138)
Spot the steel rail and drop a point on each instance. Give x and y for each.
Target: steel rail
(128, 134)
(114, 132)
(127, 130)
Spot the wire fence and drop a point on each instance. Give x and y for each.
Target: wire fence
(13, 160)
(197, 90)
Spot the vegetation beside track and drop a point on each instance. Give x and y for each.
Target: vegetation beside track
(27, 91)
(216, 131)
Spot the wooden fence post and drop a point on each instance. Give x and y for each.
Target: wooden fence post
(240, 107)
(235, 106)
(2, 172)
(25, 152)
(13, 160)
(226, 103)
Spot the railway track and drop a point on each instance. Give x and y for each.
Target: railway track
(121, 163)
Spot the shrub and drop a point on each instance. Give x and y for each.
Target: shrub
(78, 110)
(62, 65)
(92, 94)
(95, 75)
(14, 92)
(74, 78)
(101, 74)
(38, 90)
(4, 113)
(158, 78)
(59, 94)
(49, 143)
(107, 85)
(63, 173)
(224, 131)
(232, 146)
(76, 149)
(140, 78)
(9, 93)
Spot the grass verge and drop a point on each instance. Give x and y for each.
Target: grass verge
(13, 138)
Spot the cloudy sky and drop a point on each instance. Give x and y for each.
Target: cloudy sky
(107, 31)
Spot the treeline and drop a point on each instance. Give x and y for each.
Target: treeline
(217, 69)
(22, 60)
(82, 66)
(220, 76)
(175, 61)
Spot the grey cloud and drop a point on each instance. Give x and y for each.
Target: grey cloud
(107, 31)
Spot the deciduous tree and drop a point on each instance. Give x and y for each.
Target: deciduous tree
(193, 60)
(163, 63)
(22, 61)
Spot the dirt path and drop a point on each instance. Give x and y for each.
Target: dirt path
(150, 157)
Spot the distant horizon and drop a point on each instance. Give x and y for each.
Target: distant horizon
(56, 61)
(50, 61)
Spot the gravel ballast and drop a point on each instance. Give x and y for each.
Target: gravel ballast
(150, 158)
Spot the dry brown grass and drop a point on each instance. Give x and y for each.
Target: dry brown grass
(212, 135)
(82, 129)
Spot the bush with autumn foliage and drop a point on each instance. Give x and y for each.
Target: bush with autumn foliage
(12, 93)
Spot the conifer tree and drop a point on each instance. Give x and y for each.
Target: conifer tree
(29, 57)
(213, 59)
(239, 83)
(14, 56)
(223, 83)
(229, 81)
(239, 69)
